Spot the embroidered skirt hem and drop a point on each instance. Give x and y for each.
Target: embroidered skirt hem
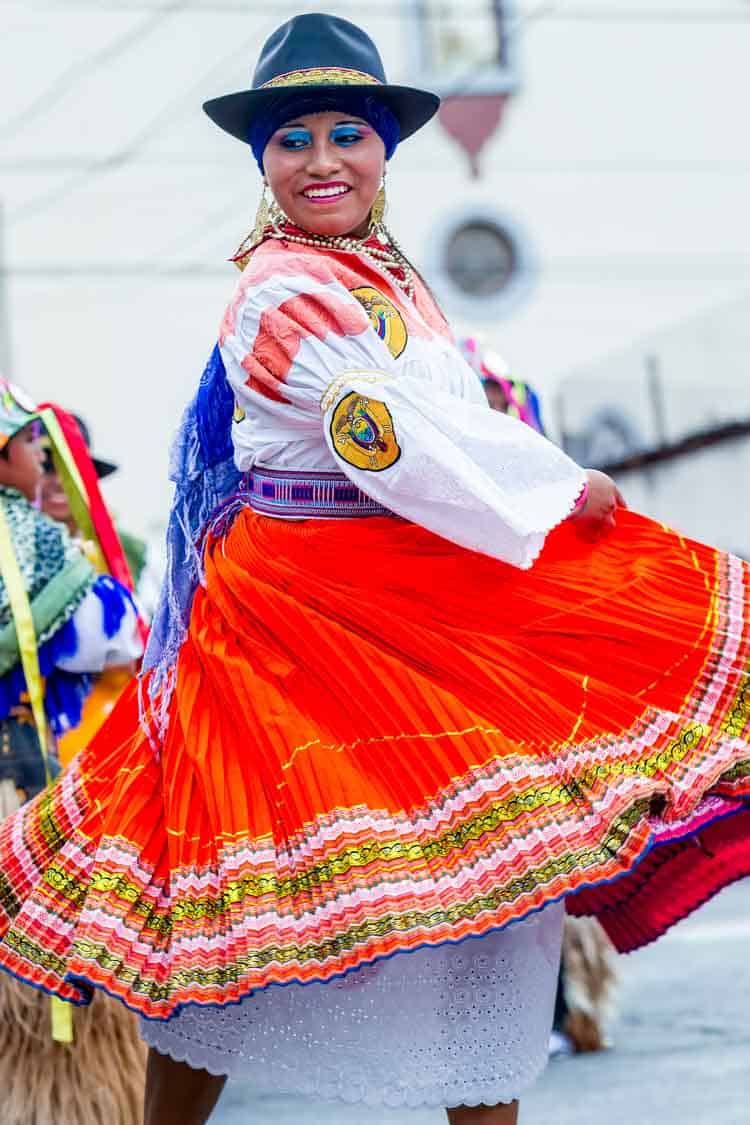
(380, 743)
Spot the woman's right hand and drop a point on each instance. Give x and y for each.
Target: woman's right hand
(597, 516)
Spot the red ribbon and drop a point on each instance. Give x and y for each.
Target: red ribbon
(106, 532)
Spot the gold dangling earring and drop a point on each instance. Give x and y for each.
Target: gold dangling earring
(275, 215)
(379, 207)
(268, 214)
(241, 255)
(262, 216)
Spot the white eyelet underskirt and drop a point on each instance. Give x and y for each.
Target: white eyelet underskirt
(464, 1024)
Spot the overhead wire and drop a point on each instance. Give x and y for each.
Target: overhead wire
(90, 169)
(631, 269)
(581, 12)
(126, 153)
(542, 10)
(83, 68)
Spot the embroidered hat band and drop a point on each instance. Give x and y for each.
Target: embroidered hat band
(322, 76)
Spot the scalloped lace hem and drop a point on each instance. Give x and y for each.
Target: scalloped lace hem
(490, 1094)
(444, 1026)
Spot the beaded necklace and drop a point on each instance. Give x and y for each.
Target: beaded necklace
(379, 246)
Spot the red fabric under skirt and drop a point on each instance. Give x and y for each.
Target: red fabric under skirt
(380, 741)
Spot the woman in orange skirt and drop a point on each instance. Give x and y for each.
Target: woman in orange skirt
(416, 679)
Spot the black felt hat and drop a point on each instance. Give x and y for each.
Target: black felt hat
(315, 51)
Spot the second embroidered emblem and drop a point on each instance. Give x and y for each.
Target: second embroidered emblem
(363, 433)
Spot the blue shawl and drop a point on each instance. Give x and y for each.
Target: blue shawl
(202, 468)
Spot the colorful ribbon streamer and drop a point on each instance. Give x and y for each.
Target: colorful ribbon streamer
(61, 1013)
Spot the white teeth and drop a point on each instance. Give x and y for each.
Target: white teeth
(321, 193)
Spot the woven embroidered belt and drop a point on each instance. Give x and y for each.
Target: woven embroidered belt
(282, 492)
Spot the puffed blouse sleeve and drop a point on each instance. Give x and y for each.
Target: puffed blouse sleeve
(106, 630)
(303, 357)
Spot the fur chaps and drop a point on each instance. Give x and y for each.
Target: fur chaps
(98, 1080)
(590, 980)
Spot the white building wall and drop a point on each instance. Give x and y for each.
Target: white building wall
(703, 495)
(625, 157)
(702, 366)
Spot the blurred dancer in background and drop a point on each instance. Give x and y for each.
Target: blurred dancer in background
(504, 392)
(55, 502)
(59, 625)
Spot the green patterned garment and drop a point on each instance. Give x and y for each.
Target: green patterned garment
(56, 574)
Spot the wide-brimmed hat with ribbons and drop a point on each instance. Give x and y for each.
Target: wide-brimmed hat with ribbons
(317, 51)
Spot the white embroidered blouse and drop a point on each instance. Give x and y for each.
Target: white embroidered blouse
(333, 367)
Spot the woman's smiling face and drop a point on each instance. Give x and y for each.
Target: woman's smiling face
(325, 170)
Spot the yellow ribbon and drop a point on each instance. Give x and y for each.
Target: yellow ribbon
(20, 607)
(74, 488)
(62, 1020)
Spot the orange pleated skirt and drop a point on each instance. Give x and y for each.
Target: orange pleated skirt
(379, 741)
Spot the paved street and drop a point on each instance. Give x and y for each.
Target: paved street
(682, 1044)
